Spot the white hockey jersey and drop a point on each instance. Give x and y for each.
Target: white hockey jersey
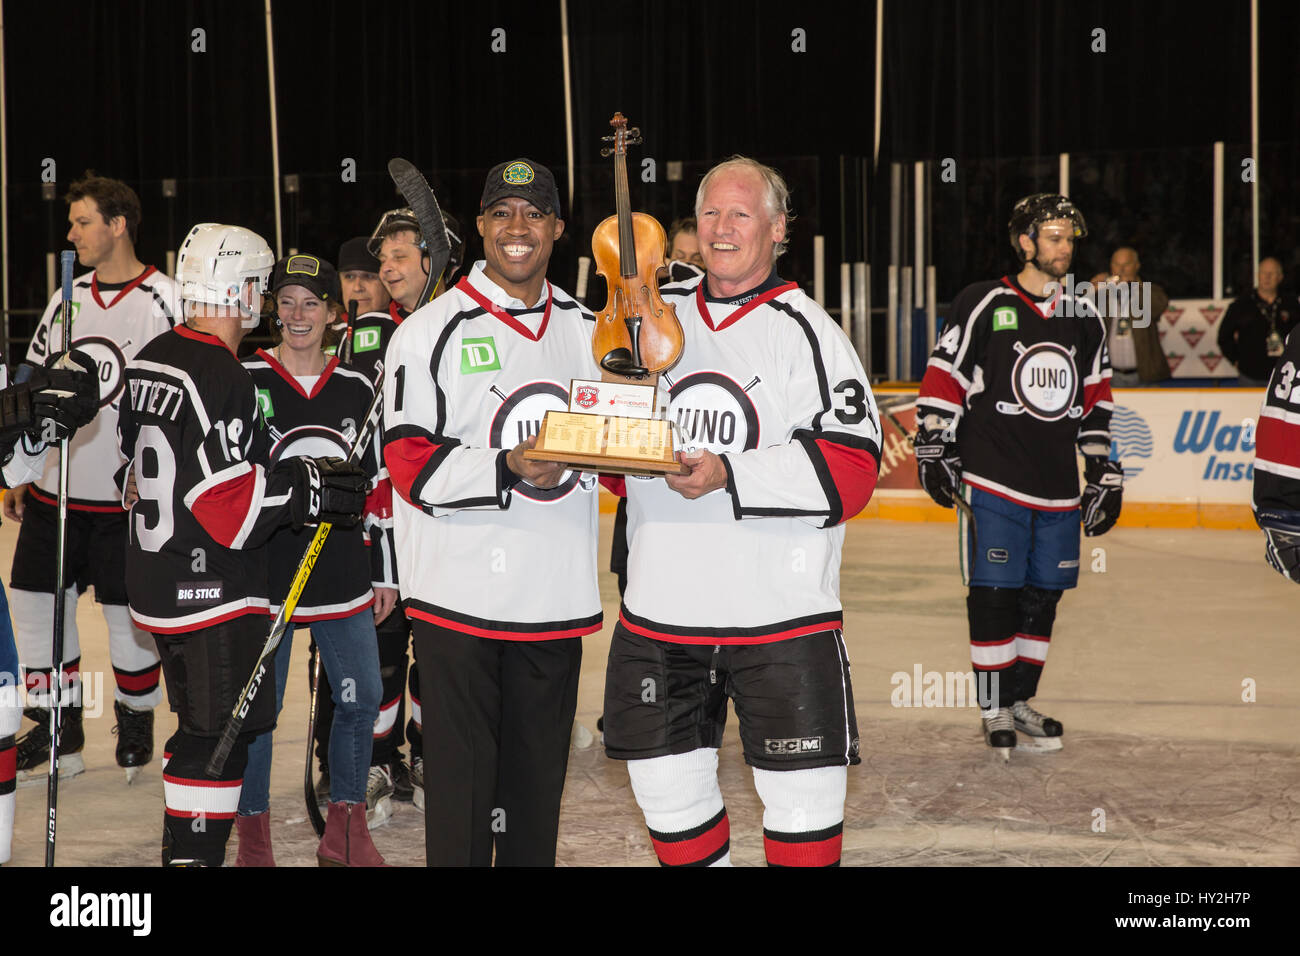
(110, 323)
(771, 384)
(468, 377)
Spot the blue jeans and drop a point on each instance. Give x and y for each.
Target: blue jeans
(350, 655)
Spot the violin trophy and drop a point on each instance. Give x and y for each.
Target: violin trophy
(637, 336)
(637, 333)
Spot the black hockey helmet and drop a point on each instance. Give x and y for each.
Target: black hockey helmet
(395, 220)
(1030, 212)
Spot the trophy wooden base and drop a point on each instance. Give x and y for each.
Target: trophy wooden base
(598, 443)
(606, 464)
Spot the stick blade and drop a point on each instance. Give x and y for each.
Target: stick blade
(415, 190)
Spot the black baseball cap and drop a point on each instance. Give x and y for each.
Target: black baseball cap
(310, 273)
(526, 180)
(354, 256)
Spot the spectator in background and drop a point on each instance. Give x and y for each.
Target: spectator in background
(684, 244)
(359, 275)
(1133, 333)
(1256, 326)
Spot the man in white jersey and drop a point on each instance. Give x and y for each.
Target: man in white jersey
(496, 555)
(117, 308)
(733, 570)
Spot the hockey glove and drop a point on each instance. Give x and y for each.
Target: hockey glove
(1282, 541)
(327, 489)
(1103, 495)
(938, 467)
(64, 395)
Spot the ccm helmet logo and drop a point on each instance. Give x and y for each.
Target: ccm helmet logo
(229, 252)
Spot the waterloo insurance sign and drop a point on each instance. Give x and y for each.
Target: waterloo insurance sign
(1188, 457)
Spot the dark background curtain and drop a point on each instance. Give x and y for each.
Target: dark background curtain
(999, 87)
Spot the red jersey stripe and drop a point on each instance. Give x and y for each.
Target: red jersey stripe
(939, 383)
(673, 638)
(1277, 441)
(463, 628)
(1092, 394)
(223, 509)
(405, 458)
(854, 473)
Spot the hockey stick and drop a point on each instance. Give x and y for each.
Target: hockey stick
(345, 347)
(67, 258)
(308, 784)
(235, 722)
(419, 197)
(957, 499)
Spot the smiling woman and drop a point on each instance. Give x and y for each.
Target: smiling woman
(306, 298)
(313, 406)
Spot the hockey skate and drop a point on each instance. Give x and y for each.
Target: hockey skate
(323, 786)
(32, 754)
(1042, 734)
(999, 730)
(403, 791)
(379, 796)
(134, 732)
(417, 783)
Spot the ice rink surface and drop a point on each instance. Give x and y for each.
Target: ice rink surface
(1174, 671)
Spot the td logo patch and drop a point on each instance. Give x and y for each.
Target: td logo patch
(518, 174)
(1004, 319)
(478, 355)
(365, 340)
(264, 402)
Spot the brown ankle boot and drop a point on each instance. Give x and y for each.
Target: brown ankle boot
(254, 840)
(347, 838)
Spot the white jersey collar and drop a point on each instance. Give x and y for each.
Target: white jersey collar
(499, 296)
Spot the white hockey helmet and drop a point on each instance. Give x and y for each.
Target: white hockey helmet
(227, 266)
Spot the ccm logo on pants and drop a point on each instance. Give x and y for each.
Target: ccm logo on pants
(792, 745)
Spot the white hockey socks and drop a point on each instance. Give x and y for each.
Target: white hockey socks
(134, 656)
(683, 808)
(32, 613)
(803, 815)
(11, 718)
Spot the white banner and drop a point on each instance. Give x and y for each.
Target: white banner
(1189, 335)
(1192, 446)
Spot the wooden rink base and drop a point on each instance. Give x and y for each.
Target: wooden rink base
(1151, 664)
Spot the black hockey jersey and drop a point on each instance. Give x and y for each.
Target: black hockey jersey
(1026, 377)
(371, 333)
(469, 376)
(189, 422)
(769, 382)
(1277, 439)
(110, 323)
(315, 423)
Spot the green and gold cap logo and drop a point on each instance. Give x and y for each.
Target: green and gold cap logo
(518, 174)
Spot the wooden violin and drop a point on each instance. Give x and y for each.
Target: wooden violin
(637, 333)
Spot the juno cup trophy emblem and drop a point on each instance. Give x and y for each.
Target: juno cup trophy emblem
(615, 424)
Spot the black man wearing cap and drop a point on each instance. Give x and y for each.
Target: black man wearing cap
(496, 554)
